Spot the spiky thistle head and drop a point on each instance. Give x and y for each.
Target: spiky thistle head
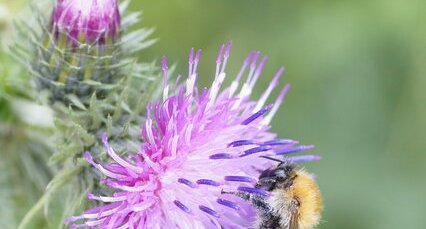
(195, 144)
(79, 50)
(91, 22)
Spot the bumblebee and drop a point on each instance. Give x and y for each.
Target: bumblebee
(294, 201)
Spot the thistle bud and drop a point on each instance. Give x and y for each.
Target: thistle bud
(80, 50)
(86, 21)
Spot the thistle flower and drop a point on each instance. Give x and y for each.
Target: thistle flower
(196, 144)
(86, 21)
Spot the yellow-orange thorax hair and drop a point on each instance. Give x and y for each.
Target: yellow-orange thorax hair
(305, 192)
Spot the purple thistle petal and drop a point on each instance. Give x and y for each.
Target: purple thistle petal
(197, 56)
(257, 74)
(103, 170)
(144, 205)
(219, 56)
(226, 56)
(244, 67)
(191, 57)
(228, 49)
(75, 226)
(105, 198)
(268, 91)
(253, 64)
(196, 60)
(165, 69)
(117, 158)
(277, 104)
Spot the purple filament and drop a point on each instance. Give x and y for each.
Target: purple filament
(221, 156)
(187, 182)
(280, 142)
(182, 206)
(208, 182)
(256, 115)
(295, 149)
(228, 203)
(241, 143)
(255, 150)
(240, 179)
(209, 211)
(304, 158)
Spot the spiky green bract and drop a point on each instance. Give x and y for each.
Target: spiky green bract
(24, 146)
(108, 93)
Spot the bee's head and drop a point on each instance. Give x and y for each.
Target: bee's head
(281, 174)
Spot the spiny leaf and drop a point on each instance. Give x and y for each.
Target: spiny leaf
(76, 101)
(66, 151)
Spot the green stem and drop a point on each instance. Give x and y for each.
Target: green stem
(33, 212)
(61, 178)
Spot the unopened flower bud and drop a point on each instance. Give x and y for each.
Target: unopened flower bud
(80, 50)
(86, 21)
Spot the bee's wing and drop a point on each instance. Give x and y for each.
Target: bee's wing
(294, 221)
(294, 218)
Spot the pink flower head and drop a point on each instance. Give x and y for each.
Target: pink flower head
(86, 21)
(196, 144)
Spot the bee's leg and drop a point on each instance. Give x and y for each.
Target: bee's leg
(270, 221)
(260, 203)
(294, 206)
(257, 200)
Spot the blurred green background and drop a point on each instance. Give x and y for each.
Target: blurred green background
(358, 76)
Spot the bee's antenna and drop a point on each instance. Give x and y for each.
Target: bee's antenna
(273, 159)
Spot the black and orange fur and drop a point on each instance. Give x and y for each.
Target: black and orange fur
(295, 201)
